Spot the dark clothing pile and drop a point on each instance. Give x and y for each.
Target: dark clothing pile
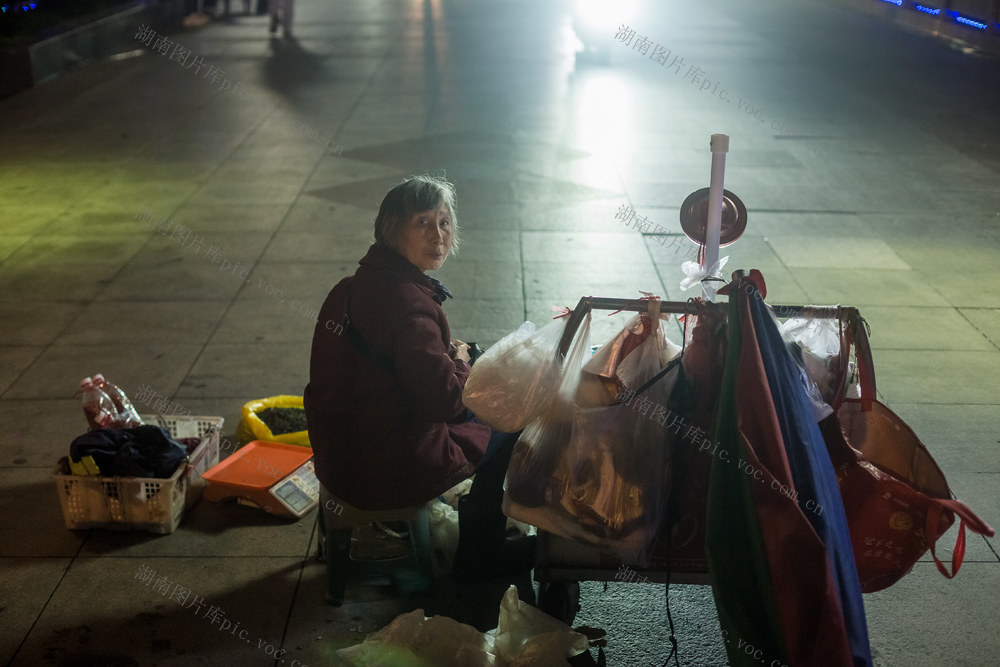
(145, 451)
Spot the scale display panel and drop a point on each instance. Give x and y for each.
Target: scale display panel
(299, 492)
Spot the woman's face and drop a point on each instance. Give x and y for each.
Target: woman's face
(427, 237)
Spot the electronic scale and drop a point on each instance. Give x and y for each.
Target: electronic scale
(257, 475)
(299, 492)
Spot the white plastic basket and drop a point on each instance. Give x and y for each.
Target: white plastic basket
(141, 503)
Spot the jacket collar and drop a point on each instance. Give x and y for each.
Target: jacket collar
(386, 258)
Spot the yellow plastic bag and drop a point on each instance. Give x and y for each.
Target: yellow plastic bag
(252, 427)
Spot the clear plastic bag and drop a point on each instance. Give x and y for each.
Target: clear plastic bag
(604, 362)
(443, 521)
(617, 467)
(647, 360)
(818, 342)
(599, 473)
(528, 637)
(515, 379)
(544, 440)
(413, 639)
(524, 637)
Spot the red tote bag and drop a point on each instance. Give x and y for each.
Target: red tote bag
(897, 500)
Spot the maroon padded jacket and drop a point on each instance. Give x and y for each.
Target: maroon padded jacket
(384, 425)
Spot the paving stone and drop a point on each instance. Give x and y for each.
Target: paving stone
(869, 174)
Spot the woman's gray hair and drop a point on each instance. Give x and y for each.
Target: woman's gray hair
(415, 194)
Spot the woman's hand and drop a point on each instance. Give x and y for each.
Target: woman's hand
(459, 351)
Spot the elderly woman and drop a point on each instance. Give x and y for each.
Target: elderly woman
(384, 400)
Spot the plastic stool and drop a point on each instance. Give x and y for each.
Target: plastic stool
(336, 522)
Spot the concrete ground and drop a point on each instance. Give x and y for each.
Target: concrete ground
(866, 155)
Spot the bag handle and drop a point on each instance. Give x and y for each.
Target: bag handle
(584, 306)
(854, 333)
(572, 325)
(936, 509)
(653, 380)
(866, 364)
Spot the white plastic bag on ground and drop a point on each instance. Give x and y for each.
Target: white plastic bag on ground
(413, 640)
(524, 637)
(528, 637)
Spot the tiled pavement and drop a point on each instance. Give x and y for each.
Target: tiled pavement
(870, 174)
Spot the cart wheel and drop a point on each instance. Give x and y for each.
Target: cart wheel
(560, 599)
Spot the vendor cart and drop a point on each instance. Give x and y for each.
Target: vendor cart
(679, 556)
(784, 485)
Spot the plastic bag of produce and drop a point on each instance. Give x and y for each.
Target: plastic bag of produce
(595, 467)
(281, 412)
(543, 442)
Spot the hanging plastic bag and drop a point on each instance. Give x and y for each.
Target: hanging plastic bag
(818, 339)
(514, 380)
(544, 440)
(609, 362)
(597, 472)
(604, 362)
(617, 467)
(639, 367)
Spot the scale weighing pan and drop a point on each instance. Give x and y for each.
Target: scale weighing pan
(694, 217)
(278, 478)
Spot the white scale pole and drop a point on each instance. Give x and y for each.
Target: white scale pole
(719, 146)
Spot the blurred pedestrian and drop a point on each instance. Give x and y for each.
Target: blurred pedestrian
(226, 3)
(286, 10)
